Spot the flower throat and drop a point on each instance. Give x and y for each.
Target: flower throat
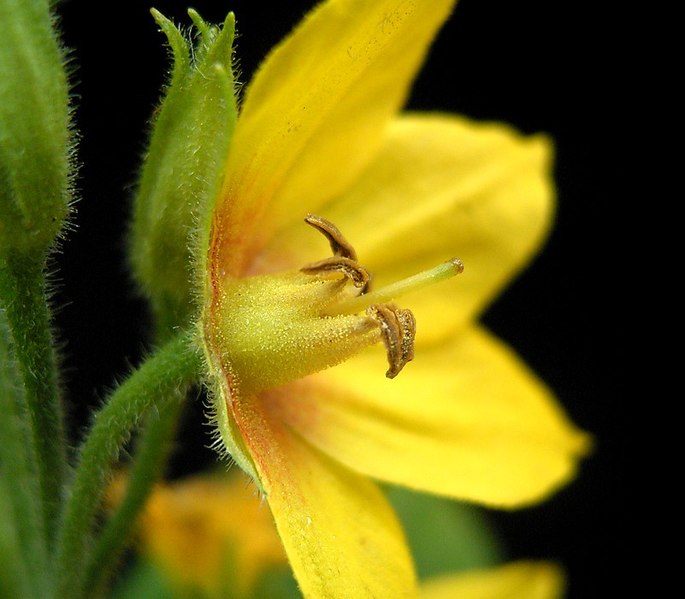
(277, 328)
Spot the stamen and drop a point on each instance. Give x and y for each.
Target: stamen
(339, 245)
(397, 326)
(441, 272)
(350, 268)
(398, 330)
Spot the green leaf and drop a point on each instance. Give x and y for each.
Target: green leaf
(143, 580)
(445, 536)
(277, 583)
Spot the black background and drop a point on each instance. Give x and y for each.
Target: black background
(539, 65)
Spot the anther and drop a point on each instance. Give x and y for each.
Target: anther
(398, 330)
(344, 258)
(407, 322)
(350, 268)
(397, 326)
(339, 245)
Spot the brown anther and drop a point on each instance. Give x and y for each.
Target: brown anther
(339, 245)
(408, 324)
(398, 329)
(351, 269)
(344, 259)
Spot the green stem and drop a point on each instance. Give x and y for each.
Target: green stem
(160, 378)
(152, 451)
(23, 297)
(23, 557)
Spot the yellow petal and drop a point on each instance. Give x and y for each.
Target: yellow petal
(341, 535)
(465, 419)
(315, 113)
(518, 580)
(441, 187)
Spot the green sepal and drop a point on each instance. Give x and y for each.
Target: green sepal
(183, 167)
(35, 138)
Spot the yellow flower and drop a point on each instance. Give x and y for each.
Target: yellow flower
(202, 530)
(209, 533)
(320, 132)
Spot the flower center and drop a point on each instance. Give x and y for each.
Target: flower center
(276, 328)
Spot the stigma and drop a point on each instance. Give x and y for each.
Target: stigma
(275, 328)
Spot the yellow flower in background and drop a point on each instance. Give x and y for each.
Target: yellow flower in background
(208, 533)
(199, 529)
(399, 195)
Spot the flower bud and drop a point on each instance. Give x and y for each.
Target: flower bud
(35, 139)
(183, 166)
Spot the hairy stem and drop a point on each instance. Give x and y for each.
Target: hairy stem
(156, 383)
(23, 539)
(24, 300)
(152, 451)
